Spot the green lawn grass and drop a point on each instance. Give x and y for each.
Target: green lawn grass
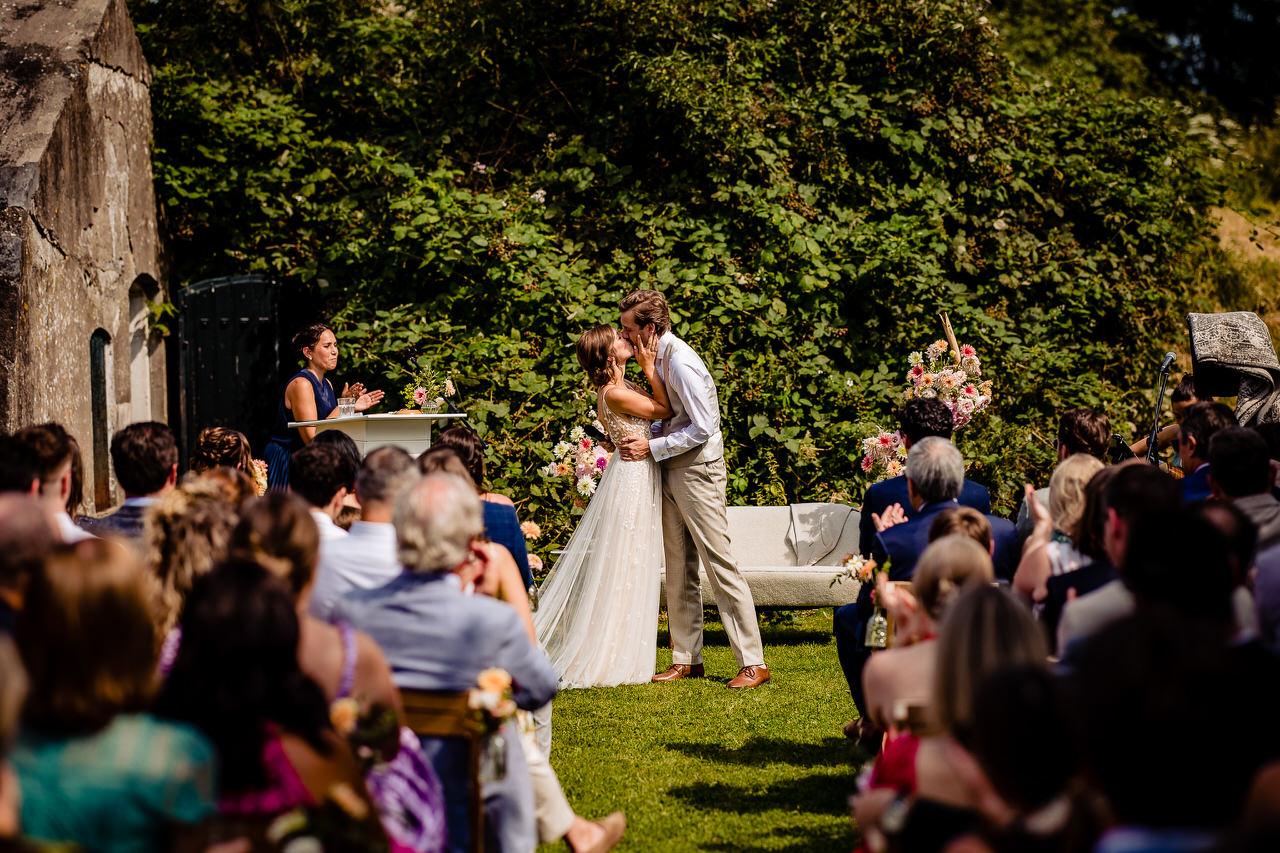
(697, 766)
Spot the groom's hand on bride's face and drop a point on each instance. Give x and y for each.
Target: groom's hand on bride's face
(633, 447)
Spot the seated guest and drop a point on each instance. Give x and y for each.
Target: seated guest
(320, 474)
(1240, 473)
(1080, 431)
(185, 535)
(13, 691)
(439, 638)
(96, 769)
(1049, 551)
(347, 445)
(965, 521)
(1087, 539)
(1199, 424)
(26, 538)
(236, 678)
(1241, 536)
(935, 472)
(277, 532)
(145, 458)
(237, 486)
(985, 630)
(1022, 758)
(54, 452)
(217, 446)
(919, 418)
(1134, 491)
(900, 677)
(501, 524)
(367, 557)
(1184, 396)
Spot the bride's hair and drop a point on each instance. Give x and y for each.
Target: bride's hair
(594, 349)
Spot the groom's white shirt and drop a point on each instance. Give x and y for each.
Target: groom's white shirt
(695, 416)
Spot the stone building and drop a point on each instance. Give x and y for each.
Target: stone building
(80, 255)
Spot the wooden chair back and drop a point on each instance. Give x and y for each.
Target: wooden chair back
(445, 714)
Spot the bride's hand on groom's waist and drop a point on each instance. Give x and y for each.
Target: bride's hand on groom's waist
(633, 447)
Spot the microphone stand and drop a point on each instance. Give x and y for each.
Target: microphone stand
(1152, 449)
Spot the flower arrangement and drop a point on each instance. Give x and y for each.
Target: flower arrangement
(373, 732)
(952, 380)
(883, 455)
(258, 472)
(427, 387)
(580, 458)
(492, 702)
(854, 567)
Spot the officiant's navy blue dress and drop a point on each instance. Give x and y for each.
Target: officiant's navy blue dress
(284, 440)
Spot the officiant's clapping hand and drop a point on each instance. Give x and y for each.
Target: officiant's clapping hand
(364, 399)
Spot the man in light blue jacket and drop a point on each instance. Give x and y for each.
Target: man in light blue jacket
(437, 636)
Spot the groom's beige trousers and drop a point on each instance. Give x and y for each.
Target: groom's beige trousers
(695, 524)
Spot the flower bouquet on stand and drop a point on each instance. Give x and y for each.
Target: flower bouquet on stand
(427, 388)
(946, 370)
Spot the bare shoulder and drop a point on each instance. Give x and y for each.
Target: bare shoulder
(495, 498)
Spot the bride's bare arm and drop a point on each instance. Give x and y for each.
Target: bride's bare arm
(627, 401)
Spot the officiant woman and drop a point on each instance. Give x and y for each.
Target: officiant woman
(309, 396)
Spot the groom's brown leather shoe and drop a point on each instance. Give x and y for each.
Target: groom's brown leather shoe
(679, 671)
(750, 676)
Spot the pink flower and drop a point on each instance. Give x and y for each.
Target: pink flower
(602, 463)
(530, 530)
(419, 396)
(917, 371)
(967, 351)
(867, 464)
(586, 444)
(970, 391)
(535, 563)
(886, 439)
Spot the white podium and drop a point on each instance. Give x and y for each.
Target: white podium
(410, 432)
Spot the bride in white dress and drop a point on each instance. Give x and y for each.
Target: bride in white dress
(597, 615)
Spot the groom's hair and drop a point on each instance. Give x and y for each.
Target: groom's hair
(650, 307)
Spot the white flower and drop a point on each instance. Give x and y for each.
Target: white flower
(562, 449)
(449, 390)
(928, 392)
(916, 358)
(586, 486)
(551, 137)
(848, 383)
(577, 434)
(478, 167)
(540, 196)
(970, 365)
(552, 470)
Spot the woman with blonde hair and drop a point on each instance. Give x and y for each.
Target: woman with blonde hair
(185, 534)
(221, 446)
(94, 766)
(1053, 547)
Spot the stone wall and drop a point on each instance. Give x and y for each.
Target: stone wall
(79, 249)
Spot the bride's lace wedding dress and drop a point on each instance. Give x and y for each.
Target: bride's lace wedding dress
(597, 615)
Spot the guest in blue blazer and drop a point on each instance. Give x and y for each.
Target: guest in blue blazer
(145, 458)
(1199, 424)
(919, 418)
(935, 474)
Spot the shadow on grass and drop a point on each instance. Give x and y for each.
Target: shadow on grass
(756, 751)
(795, 839)
(818, 794)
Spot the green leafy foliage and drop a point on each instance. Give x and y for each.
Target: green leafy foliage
(808, 181)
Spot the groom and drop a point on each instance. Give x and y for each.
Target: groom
(690, 448)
